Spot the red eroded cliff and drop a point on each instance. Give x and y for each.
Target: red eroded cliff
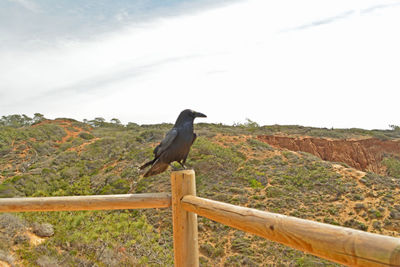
(364, 154)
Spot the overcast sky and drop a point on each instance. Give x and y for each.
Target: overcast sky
(323, 63)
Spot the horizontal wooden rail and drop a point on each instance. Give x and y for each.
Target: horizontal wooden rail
(335, 243)
(97, 202)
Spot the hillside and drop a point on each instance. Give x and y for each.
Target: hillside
(234, 164)
(364, 154)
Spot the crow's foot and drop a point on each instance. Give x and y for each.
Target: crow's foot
(183, 165)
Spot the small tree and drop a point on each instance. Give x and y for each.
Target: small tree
(132, 125)
(37, 117)
(116, 121)
(97, 122)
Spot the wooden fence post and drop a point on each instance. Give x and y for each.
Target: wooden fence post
(186, 247)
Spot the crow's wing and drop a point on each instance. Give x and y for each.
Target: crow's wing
(194, 137)
(166, 142)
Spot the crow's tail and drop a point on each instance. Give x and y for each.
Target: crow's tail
(158, 167)
(147, 164)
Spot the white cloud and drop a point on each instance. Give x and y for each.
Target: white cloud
(231, 63)
(32, 6)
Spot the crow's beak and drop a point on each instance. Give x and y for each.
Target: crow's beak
(198, 114)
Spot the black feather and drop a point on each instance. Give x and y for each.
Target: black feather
(176, 144)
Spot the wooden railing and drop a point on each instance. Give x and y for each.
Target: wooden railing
(339, 244)
(101, 202)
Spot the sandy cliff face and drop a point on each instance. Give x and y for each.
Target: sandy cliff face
(365, 154)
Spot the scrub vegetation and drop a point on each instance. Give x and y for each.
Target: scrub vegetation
(61, 157)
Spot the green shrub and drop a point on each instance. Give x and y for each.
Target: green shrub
(119, 186)
(393, 166)
(255, 184)
(86, 136)
(7, 190)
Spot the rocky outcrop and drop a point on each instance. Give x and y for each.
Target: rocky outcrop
(364, 154)
(43, 230)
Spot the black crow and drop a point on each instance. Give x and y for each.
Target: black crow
(176, 144)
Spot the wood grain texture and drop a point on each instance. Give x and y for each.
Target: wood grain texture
(335, 243)
(97, 202)
(186, 250)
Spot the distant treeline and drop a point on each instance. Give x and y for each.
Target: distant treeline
(249, 126)
(17, 121)
(20, 120)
